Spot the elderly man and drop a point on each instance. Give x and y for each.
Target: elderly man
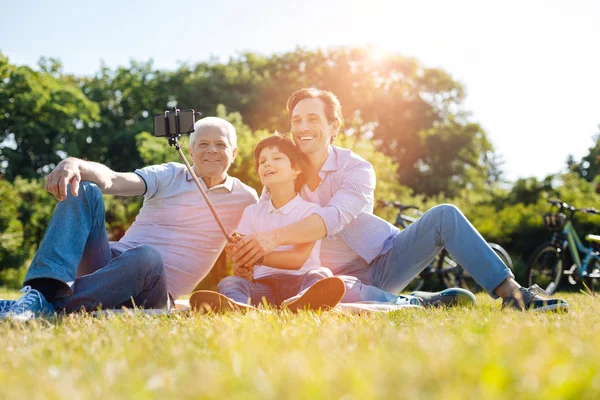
(170, 247)
(361, 245)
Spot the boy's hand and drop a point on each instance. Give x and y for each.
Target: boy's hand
(251, 249)
(243, 272)
(233, 239)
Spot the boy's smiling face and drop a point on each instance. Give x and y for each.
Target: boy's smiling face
(274, 167)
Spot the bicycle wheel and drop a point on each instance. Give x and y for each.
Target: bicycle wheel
(592, 281)
(466, 281)
(545, 268)
(448, 270)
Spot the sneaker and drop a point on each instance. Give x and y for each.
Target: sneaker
(207, 301)
(446, 298)
(29, 306)
(534, 298)
(403, 300)
(325, 294)
(5, 305)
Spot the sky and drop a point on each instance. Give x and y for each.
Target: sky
(531, 68)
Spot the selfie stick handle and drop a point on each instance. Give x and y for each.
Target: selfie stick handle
(212, 209)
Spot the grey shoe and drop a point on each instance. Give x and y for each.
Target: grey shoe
(404, 300)
(446, 298)
(29, 306)
(534, 298)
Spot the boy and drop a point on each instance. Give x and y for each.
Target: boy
(292, 275)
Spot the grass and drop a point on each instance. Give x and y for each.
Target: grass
(463, 353)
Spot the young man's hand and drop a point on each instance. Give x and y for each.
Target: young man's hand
(251, 249)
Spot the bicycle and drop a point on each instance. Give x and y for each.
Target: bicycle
(546, 267)
(443, 266)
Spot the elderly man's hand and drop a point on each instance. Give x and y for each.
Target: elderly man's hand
(66, 172)
(252, 248)
(243, 272)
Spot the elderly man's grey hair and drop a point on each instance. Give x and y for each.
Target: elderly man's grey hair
(215, 122)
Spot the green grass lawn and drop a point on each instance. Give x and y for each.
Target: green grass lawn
(478, 353)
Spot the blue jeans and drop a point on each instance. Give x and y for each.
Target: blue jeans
(414, 248)
(273, 288)
(76, 252)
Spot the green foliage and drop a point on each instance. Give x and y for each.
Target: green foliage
(42, 117)
(155, 150)
(120, 214)
(391, 101)
(11, 229)
(589, 167)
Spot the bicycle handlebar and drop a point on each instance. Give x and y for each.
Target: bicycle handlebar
(564, 206)
(397, 205)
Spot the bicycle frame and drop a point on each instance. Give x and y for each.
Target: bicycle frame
(569, 237)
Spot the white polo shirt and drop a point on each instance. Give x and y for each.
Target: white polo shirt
(264, 217)
(176, 220)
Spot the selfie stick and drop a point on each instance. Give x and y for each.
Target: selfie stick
(173, 142)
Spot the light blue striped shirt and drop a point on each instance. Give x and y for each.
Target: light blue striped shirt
(346, 197)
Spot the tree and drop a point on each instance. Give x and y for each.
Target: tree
(589, 167)
(396, 97)
(41, 121)
(127, 98)
(11, 229)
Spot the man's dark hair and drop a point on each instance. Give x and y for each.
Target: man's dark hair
(333, 108)
(298, 159)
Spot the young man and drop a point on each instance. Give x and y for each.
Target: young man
(170, 247)
(358, 243)
(290, 275)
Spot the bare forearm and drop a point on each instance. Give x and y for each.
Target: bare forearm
(251, 248)
(309, 229)
(98, 173)
(73, 170)
(290, 259)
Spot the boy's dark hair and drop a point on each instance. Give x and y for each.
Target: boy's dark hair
(298, 159)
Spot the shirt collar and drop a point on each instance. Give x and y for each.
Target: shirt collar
(228, 184)
(331, 162)
(288, 208)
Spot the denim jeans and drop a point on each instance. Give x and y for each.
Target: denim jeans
(76, 252)
(273, 288)
(414, 248)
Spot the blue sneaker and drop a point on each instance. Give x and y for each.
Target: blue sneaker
(446, 298)
(31, 305)
(5, 305)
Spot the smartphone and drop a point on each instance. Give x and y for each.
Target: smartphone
(165, 124)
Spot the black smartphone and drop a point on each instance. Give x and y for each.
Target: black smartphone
(165, 124)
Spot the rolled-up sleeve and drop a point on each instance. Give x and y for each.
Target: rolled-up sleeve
(354, 194)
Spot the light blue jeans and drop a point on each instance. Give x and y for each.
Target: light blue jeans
(414, 248)
(273, 288)
(76, 252)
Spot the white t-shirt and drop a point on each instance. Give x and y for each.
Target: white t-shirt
(263, 217)
(176, 220)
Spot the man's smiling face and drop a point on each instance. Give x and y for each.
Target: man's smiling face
(311, 131)
(212, 152)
